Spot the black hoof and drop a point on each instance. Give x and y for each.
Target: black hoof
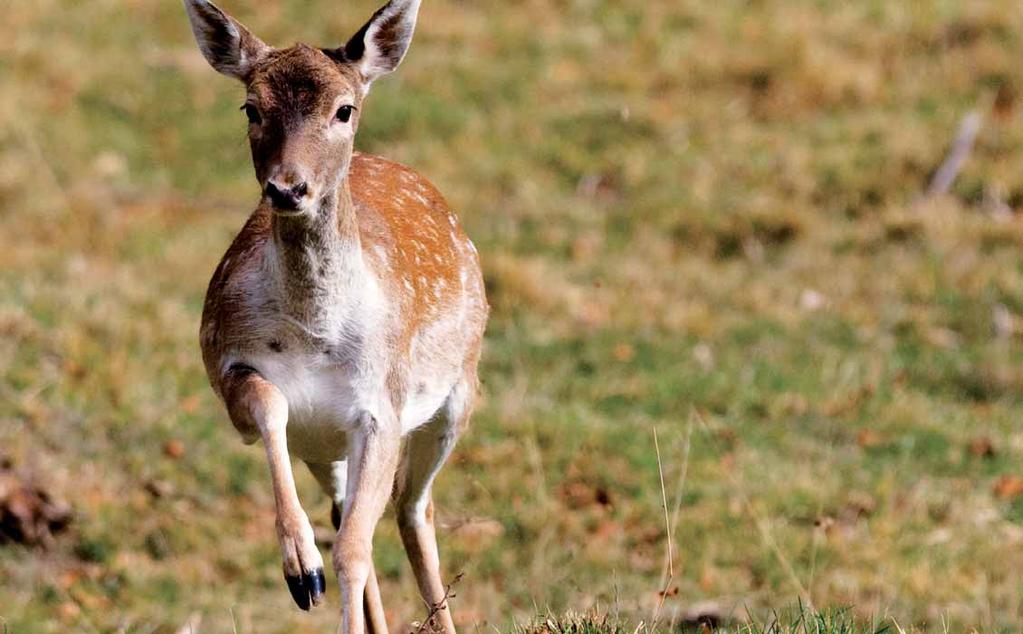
(335, 516)
(317, 584)
(299, 591)
(307, 589)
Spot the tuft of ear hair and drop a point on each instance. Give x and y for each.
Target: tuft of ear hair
(379, 46)
(225, 43)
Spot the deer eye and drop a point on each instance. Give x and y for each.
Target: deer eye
(252, 113)
(344, 113)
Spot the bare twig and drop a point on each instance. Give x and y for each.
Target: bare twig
(664, 504)
(667, 527)
(668, 573)
(949, 169)
(428, 622)
(682, 477)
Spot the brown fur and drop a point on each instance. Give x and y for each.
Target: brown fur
(401, 225)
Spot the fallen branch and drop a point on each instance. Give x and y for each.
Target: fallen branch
(963, 144)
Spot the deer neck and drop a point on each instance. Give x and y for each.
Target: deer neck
(315, 257)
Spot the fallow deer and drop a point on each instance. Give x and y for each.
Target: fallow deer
(344, 324)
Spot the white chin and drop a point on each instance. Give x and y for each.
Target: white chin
(302, 210)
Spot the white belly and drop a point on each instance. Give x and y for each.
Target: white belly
(322, 403)
(325, 401)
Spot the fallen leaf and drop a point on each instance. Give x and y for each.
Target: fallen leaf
(190, 404)
(867, 438)
(73, 369)
(1008, 487)
(174, 449)
(982, 447)
(624, 352)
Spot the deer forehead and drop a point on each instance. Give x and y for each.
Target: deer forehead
(303, 79)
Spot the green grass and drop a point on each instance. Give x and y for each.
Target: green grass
(699, 218)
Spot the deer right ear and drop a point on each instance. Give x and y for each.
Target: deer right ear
(227, 45)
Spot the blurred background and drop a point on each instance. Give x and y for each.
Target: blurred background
(704, 219)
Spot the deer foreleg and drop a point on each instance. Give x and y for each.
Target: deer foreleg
(252, 401)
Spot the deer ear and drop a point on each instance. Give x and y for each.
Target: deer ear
(227, 45)
(379, 46)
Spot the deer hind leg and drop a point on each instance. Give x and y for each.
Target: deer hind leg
(425, 452)
(332, 478)
(373, 455)
(373, 605)
(252, 401)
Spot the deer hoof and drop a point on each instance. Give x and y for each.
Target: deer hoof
(307, 589)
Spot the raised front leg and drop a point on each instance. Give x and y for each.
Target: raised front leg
(372, 460)
(252, 401)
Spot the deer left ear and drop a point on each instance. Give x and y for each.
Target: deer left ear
(380, 45)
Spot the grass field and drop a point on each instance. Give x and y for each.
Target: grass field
(700, 219)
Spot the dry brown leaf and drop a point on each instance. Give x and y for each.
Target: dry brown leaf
(190, 404)
(867, 438)
(174, 449)
(982, 447)
(624, 352)
(1008, 487)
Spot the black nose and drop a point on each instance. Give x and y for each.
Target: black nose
(285, 198)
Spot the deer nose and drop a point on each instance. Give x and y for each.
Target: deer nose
(285, 197)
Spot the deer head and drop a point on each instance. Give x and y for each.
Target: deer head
(303, 103)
